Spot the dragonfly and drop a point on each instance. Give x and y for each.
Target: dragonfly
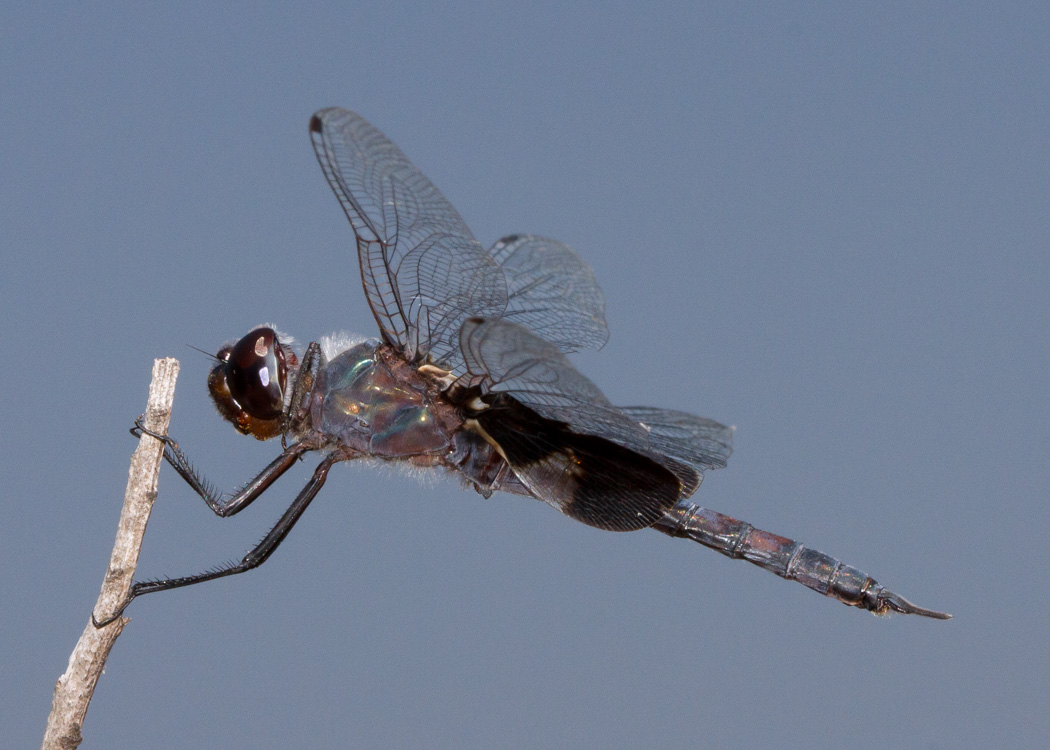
(470, 375)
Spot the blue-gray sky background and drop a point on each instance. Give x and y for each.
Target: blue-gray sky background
(827, 226)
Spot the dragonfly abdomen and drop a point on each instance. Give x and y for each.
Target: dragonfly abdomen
(787, 558)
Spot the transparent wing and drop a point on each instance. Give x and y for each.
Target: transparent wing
(508, 358)
(422, 270)
(552, 292)
(694, 441)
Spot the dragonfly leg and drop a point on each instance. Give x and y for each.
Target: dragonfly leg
(298, 404)
(221, 504)
(787, 558)
(255, 557)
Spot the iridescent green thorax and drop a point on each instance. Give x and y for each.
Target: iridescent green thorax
(377, 404)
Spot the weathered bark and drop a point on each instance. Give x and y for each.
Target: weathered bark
(74, 689)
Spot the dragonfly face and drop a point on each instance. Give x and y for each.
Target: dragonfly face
(249, 381)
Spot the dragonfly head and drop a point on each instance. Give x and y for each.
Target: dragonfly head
(249, 382)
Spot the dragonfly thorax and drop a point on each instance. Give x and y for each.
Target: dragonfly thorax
(370, 401)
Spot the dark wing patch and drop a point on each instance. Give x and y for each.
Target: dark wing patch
(696, 442)
(561, 436)
(586, 477)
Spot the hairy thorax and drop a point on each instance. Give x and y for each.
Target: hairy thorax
(368, 401)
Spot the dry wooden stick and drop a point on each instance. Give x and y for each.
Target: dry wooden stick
(74, 689)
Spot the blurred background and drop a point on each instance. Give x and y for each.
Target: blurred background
(827, 226)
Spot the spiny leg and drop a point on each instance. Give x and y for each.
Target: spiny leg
(223, 506)
(298, 404)
(787, 558)
(256, 557)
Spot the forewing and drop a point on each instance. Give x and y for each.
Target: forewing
(552, 292)
(513, 360)
(561, 436)
(423, 272)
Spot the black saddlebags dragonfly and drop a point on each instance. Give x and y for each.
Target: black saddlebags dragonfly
(470, 374)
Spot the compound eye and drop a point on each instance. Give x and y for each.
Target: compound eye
(256, 373)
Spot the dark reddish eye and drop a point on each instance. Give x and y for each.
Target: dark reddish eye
(256, 373)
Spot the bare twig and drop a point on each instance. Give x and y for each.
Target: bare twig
(74, 689)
